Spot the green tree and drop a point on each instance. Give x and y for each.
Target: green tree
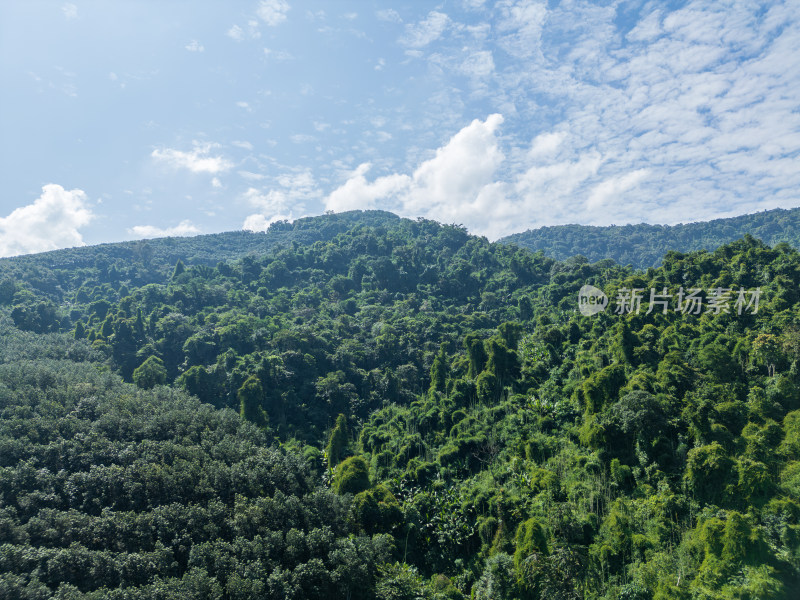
(476, 353)
(338, 447)
(179, 270)
(439, 372)
(150, 373)
(709, 470)
(251, 401)
(351, 476)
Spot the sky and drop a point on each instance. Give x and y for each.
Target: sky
(141, 118)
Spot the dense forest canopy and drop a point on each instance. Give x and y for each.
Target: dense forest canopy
(362, 406)
(645, 245)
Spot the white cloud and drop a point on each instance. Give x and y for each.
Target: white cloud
(245, 145)
(194, 46)
(522, 24)
(279, 55)
(459, 170)
(478, 64)
(196, 160)
(236, 33)
(293, 189)
(456, 185)
(249, 175)
(273, 12)
(545, 145)
(613, 188)
(423, 33)
(249, 32)
(182, 229)
(51, 222)
(666, 115)
(302, 138)
(357, 192)
(670, 116)
(390, 15)
(259, 222)
(70, 11)
(272, 201)
(647, 29)
(216, 183)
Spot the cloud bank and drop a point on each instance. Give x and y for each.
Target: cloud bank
(664, 116)
(197, 160)
(51, 222)
(184, 228)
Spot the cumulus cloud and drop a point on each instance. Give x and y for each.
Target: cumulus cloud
(273, 12)
(358, 193)
(456, 185)
(272, 201)
(669, 115)
(51, 222)
(182, 229)
(259, 222)
(195, 46)
(471, 181)
(197, 160)
(287, 198)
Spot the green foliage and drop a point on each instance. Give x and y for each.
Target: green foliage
(179, 269)
(530, 539)
(399, 581)
(338, 447)
(377, 510)
(155, 495)
(439, 372)
(645, 245)
(251, 398)
(352, 476)
(486, 439)
(150, 373)
(709, 471)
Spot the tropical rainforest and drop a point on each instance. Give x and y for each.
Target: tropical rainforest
(644, 245)
(361, 406)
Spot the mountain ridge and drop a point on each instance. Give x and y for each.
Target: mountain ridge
(599, 242)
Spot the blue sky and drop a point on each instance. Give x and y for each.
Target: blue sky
(138, 118)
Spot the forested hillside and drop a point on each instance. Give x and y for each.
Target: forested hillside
(645, 245)
(396, 409)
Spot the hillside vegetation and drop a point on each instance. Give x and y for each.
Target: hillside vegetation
(645, 245)
(396, 409)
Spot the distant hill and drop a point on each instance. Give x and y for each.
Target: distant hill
(644, 245)
(155, 258)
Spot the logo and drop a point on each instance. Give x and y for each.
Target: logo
(591, 300)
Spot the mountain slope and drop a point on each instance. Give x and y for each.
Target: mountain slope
(154, 259)
(475, 433)
(644, 245)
